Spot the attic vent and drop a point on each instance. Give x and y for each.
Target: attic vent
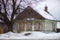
(29, 19)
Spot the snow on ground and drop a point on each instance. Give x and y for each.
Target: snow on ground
(33, 35)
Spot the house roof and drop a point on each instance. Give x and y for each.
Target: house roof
(29, 13)
(45, 14)
(35, 12)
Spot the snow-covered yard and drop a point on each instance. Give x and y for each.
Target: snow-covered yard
(32, 35)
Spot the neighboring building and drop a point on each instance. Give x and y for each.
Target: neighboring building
(32, 19)
(58, 26)
(3, 28)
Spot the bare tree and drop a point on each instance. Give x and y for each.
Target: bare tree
(9, 7)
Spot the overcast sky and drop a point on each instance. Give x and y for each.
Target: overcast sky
(54, 7)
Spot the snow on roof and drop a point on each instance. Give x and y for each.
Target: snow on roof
(43, 13)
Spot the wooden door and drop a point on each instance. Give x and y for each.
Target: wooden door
(37, 26)
(28, 26)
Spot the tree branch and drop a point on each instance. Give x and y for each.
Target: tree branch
(6, 2)
(18, 5)
(2, 14)
(14, 11)
(4, 7)
(4, 18)
(1, 19)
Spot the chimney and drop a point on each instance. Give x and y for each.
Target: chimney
(46, 9)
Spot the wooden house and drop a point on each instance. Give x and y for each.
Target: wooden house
(32, 19)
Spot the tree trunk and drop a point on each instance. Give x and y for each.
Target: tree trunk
(10, 28)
